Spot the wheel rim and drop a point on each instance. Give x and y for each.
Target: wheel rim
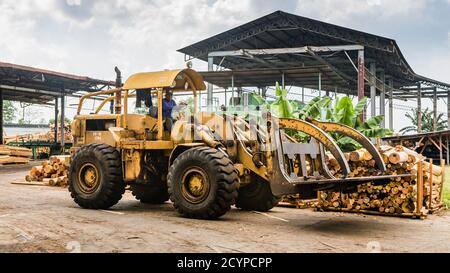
(88, 178)
(195, 185)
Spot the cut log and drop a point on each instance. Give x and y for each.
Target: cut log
(14, 160)
(26, 154)
(398, 157)
(367, 156)
(437, 170)
(357, 156)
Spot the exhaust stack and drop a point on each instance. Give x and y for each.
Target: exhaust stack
(118, 94)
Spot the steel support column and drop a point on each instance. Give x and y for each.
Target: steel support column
(419, 108)
(448, 151)
(373, 91)
(435, 114)
(303, 94)
(391, 104)
(383, 99)
(209, 97)
(232, 91)
(448, 109)
(63, 117)
(1, 117)
(56, 119)
(361, 81)
(226, 97)
(320, 85)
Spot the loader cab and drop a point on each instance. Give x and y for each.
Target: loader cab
(101, 128)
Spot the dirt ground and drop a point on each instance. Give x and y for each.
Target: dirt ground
(45, 219)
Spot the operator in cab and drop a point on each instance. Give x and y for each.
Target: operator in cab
(168, 104)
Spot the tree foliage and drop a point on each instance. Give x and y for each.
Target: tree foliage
(9, 111)
(427, 122)
(66, 120)
(343, 112)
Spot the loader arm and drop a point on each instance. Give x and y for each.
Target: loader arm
(320, 135)
(286, 180)
(331, 127)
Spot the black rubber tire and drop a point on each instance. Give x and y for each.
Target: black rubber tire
(111, 186)
(223, 180)
(257, 196)
(151, 194)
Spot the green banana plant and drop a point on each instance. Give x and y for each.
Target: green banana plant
(343, 112)
(315, 108)
(282, 107)
(427, 122)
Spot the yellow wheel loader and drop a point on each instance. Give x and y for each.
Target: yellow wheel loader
(206, 162)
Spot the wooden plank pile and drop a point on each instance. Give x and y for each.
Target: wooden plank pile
(434, 186)
(14, 155)
(403, 196)
(53, 172)
(48, 136)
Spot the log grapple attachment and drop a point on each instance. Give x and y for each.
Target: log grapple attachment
(290, 166)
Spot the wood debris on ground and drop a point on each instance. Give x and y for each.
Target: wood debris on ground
(10, 155)
(53, 172)
(296, 202)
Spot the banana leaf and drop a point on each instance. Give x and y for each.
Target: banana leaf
(344, 112)
(315, 108)
(371, 128)
(347, 144)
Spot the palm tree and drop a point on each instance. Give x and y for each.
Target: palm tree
(427, 122)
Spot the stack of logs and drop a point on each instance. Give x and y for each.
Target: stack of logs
(399, 196)
(53, 172)
(48, 136)
(14, 155)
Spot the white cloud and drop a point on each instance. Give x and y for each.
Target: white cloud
(345, 11)
(91, 37)
(73, 2)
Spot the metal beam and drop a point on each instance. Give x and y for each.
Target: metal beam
(419, 109)
(435, 114)
(383, 99)
(320, 85)
(209, 96)
(63, 115)
(361, 81)
(373, 91)
(276, 51)
(391, 104)
(29, 90)
(416, 89)
(303, 94)
(448, 151)
(448, 109)
(232, 91)
(56, 120)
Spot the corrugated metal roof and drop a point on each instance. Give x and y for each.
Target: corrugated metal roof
(36, 85)
(285, 30)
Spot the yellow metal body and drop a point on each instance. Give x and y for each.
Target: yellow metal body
(142, 136)
(133, 134)
(174, 79)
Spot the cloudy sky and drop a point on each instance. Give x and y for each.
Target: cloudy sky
(90, 37)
